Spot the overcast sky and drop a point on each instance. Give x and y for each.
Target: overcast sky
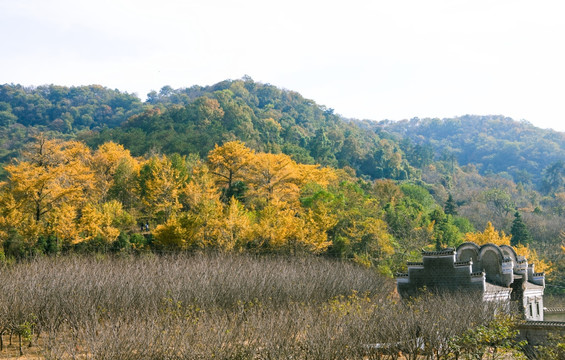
(365, 59)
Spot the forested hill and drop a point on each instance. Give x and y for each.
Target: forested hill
(494, 144)
(192, 120)
(65, 109)
(266, 118)
(135, 146)
(59, 110)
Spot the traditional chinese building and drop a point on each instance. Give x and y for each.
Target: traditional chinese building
(494, 272)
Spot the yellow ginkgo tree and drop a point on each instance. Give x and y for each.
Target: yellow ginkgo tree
(115, 171)
(50, 181)
(273, 178)
(229, 163)
(533, 257)
(489, 235)
(162, 187)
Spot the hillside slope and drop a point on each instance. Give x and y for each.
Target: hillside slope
(192, 120)
(494, 144)
(266, 118)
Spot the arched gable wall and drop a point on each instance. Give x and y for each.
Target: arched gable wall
(491, 257)
(469, 251)
(509, 251)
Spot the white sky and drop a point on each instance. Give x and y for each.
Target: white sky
(366, 59)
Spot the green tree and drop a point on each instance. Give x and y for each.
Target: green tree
(499, 200)
(445, 232)
(6, 115)
(450, 208)
(519, 231)
(322, 149)
(554, 177)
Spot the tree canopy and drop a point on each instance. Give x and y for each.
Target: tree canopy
(211, 165)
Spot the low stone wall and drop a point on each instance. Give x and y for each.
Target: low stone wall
(554, 314)
(536, 332)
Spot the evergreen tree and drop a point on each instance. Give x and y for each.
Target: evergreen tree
(519, 231)
(322, 149)
(450, 207)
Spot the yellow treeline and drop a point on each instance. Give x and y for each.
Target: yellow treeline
(235, 199)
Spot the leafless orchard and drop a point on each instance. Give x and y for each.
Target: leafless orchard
(205, 306)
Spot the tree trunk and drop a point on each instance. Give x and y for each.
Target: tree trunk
(20, 344)
(37, 212)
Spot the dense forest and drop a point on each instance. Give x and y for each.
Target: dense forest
(494, 144)
(249, 167)
(62, 111)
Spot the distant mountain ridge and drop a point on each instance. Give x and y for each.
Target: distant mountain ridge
(495, 144)
(267, 118)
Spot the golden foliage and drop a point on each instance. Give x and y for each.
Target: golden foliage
(313, 234)
(280, 227)
(203, 223)
(63, 224)
(108, 161)
(531, 255)
(233, 229)
(163, 188)
(52, 177)
(200, 188)
(63, 189)
(273, 178)
(91, 222)
(315, 174)
(489, 235)
(100, 221)
(372, 236)
(229, 162)
(171, 234)
(274, 227)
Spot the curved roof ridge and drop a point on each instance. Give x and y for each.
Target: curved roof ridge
(469, 244)
(448, 251)
(491, 246)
